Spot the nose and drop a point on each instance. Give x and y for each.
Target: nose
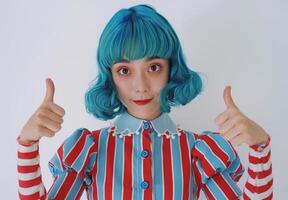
(140, 83)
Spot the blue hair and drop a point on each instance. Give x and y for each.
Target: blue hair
(136, 33)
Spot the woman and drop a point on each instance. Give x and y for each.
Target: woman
(143, 154)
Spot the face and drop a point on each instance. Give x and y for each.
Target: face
(139, 83)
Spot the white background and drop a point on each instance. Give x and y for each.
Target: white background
(241, 43)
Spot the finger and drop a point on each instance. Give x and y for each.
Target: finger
(233, 132)
(224, 116)
(229, 102)
(51, 115)
(57, 109)
(45, 131)
(221, 118)
(238, 140)
(229, 124)
(48, 123)
(50, 90)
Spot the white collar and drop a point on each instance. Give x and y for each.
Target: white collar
(126, 125)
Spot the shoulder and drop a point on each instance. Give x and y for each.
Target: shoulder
(216, 154)
(211, 147)
(213, 144)
(84, 134)
(78, 151)
(208, 138)
(81, 141)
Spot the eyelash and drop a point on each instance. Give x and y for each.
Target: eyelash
(159, 67)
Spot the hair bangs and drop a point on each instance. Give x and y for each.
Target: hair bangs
(136, 38)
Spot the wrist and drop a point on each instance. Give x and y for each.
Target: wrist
(262, 145)
(26, 142)
(265, 140)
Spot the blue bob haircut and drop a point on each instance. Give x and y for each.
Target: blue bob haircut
(135, 33)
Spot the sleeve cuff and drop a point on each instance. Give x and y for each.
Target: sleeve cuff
(261, 147)
(26, 148)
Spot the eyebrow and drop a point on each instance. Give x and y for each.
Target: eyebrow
(123, 60)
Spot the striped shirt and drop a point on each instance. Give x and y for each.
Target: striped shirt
(138, 159)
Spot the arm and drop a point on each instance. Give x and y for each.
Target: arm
(29, 172)
(239, 129)
(46, 121)
(30, 179)
(216, 167)
(260, 180)
(71, 165)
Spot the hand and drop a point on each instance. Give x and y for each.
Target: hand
(47, 119)
(236, 127)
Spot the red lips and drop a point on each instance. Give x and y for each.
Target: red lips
(142, 101)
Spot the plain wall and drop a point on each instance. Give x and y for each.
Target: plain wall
(238, 43)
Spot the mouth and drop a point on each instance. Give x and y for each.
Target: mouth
(142, 101)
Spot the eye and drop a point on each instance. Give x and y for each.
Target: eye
(154, 68)
(123, 71)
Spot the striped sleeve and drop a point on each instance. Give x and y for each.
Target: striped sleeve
(77, 155)
(30, 184)
(259, 184)
(70, 167)
(216, 167)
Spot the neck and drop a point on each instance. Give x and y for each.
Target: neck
(145, 116)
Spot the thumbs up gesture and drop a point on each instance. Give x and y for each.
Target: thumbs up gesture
(46, 120)
(236, 127)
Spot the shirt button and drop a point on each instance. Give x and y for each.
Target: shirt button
(144, 154)
(144, 184)
(146, 125)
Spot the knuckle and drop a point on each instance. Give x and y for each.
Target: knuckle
(59, 109)
(63, 112)
(50, 133)
(41, 113)
(46, 112)
(57, 128)
(39, 119)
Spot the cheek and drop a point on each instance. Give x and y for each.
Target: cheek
(160, 83)
(122, 90)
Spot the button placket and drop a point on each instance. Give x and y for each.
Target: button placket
(147, 161)
(144, 153)
(144, 184)
(146, 125)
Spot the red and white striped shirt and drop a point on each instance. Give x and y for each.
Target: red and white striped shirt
(137, 159)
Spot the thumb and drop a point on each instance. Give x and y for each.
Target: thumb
(50, 90)
(229, 102)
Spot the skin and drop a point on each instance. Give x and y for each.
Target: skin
(46, 120)
(141, 79)
(236, 127)
(137, 80)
